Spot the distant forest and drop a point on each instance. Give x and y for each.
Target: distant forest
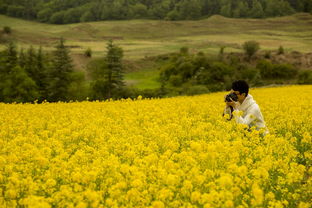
(73, 11)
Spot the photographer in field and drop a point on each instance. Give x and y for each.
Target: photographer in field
(240, 101)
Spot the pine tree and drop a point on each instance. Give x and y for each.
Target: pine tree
(241, 10)
(22, 58)
(42, 76)
(108, 77)
(11, 59)
(257, 10)
(226, 10)
(30, 65)
(114, 72)
(8, 60)
(60, 73)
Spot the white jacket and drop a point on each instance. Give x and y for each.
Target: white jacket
(251, 116)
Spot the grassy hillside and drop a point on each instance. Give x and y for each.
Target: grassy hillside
(141, 38)
(144, 38)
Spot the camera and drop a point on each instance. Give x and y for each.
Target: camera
(231, 97)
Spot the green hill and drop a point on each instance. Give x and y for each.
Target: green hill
(140, 38)
(144, 38)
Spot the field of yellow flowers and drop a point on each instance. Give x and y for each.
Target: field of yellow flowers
(174, 152)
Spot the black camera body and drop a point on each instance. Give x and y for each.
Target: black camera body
(231, 97)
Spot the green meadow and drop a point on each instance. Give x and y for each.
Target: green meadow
(146, 38)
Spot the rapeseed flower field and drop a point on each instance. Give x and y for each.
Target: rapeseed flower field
(174, 152)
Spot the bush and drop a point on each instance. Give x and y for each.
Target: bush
(266, 69)
(196, 90)
(184, 50)
(7, 30)
(57, 18)
(221, 52)
(267, 54)
(251, 47)
(276, 71)
(88, 53)
(305, 77)
(251, 75)
(280, 50)
(285, 71)
(176, 80)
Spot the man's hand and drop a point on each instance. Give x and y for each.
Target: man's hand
(233, 104)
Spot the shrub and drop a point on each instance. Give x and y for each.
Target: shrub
(267, 54)
(266, 69)
(196, 90)
(250, 75)
(88, 53)
(276, 71)
(221, 52)
(184, 50)
(305, 77)
(280, 50)
(176, 80)
(251, 47)
(285, 71)
(7, 30)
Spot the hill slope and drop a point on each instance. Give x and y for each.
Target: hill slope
(140, 38)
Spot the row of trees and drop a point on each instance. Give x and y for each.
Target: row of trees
(71, 11)
(26, 76)
(30, 75)
(34, 75)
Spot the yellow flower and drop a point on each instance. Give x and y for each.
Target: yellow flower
(175, 152)
(258, 194)
(158, 204)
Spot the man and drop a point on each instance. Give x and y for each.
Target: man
(251, 114)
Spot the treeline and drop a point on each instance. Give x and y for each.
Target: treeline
(73, 11)
(26, 76)
(33, 75)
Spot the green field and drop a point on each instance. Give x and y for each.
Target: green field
(145, 38)
(140, 38)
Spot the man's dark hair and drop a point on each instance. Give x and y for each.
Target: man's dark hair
(241, 86)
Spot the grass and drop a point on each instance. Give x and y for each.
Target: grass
(146, 38)
(141, 38)
(144, 79)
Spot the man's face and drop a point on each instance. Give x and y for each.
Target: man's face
(241, 96)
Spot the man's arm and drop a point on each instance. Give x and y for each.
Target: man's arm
(251, 116)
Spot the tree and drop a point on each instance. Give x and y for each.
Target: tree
(41, 78)
(257, 10)
(277, 8)
(30, 66)
(9, 61)
(109, 76)
(44, 15)
(251, 47)
(15, 84)
(138, 11)
(226, 10)
(19, 87)
(241, 10)
(190, 9)
(57, 18)
(11, 55)
(60, 73)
